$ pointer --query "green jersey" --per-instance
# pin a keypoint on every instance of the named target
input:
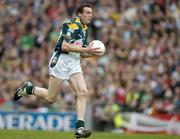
(74, 32)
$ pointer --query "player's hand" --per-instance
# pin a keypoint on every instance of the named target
(93, 51)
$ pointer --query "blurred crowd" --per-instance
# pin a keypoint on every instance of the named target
(139, 72)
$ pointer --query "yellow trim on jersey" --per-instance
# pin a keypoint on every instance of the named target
(73, 26)
(84, 27)
(78, 20)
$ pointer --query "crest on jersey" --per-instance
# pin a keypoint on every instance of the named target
(68, 35)
(71, 30)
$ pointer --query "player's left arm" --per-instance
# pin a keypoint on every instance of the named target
(85, 44)
(87, 55)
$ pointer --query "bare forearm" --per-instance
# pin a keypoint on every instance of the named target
(71, 48)
(67, 47)
(86, 55)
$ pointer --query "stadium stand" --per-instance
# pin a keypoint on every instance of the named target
(140, 71)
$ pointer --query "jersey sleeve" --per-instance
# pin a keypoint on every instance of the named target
(68, 31)
(66, 35)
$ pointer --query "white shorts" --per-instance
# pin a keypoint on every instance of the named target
(66, 66)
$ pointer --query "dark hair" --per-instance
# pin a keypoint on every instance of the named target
(80, 9)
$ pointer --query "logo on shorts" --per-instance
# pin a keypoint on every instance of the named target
(54, 60)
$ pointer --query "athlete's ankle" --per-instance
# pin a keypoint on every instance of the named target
(79, 123)
(29, 89)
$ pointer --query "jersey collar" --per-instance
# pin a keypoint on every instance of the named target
(78, 19)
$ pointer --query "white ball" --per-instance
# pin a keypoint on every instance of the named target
(98, 44)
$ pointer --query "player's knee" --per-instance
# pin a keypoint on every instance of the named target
(51, 100)
(82, 93)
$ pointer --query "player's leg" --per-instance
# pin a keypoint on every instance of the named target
(48, 96)
(78, 84)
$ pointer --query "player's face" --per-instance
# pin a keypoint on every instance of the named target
(86, 16)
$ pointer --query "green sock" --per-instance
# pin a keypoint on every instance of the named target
(79, 123)
(29, 89)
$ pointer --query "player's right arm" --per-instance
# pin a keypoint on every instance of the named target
(69, 47)
(94, 54)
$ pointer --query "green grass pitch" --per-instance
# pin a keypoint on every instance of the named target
(22, 134)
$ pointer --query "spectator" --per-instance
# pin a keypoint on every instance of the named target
(141, 63)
